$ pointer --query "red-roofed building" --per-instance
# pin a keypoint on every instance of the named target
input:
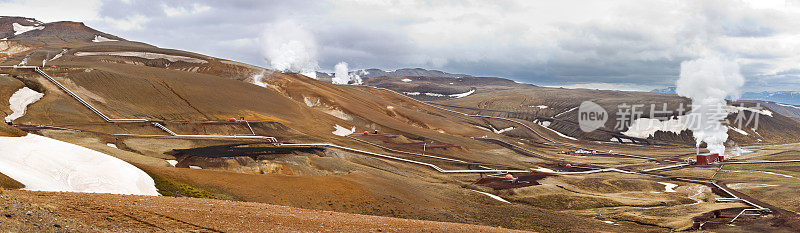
(706, 159)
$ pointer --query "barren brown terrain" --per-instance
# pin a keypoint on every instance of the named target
(429, 168)
(27, 211)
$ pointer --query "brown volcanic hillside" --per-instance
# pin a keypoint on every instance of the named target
(7, 22)
(52, 34)
(193, 94)
(788, 110)
(505, 98)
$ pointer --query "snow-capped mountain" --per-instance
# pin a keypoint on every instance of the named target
(786, 97)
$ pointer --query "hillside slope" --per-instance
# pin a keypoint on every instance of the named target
(56, 212)
(168, 112)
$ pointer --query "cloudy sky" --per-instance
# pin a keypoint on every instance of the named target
(613, 44)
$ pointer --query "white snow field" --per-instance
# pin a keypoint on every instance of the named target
(736, 109)
(172, 162)
(492, 196)
(342, 131)
(669, 187)
(462, 95)
(459, 95)
(20, 100)
(99, 38)
(19, 29)
(45, 164)
(546, 125)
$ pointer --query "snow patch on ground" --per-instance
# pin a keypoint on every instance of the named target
(20, 100)
(492, 196)
(24, 61)
(609, 222)
(539, 106)
(504, 130)
(570, 110)
(459, 95)
(19, 29)
(44, 164)
(145, 55)
(111, 145)
(646, 127)
(406, 80)
(342, 131)
(462, 95)
(98, 38)
(787, 105)
(738, 130)
(172, 162)
(669, 187)
(195, 167)
(623, 140)
(545, 170)
(545, 124)
(736, 109)
(57, 56)
(492, 129)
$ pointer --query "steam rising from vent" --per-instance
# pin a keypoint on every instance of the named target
(288, 47)
(708, 81)
(257, 79)
(342, 75)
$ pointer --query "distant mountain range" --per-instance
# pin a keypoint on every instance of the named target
(785, 97)
(406, 72)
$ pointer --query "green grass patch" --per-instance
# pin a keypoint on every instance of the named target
(173, 188)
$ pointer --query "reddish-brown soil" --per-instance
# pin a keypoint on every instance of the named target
(27, 211)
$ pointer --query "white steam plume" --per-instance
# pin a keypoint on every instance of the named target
(708, 81)
(288, 47)
(342, 75)
(356, 79)
(258, 79)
